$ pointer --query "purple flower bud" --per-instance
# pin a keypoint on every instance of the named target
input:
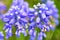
(1, 36)
(40, 36)
(8, 33)
(38, 20)
(2, 9)
(32, 34)
(2, 6)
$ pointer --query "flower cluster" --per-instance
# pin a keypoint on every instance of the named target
(16, 16)
(45, 14)
(2, 8)
(42, 16)
(26, 19)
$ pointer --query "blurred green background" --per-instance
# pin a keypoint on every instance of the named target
(52, 35)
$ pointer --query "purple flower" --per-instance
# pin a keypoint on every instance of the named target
(43, 14)
(2, 6)
(32, 34)
(24, 18)
(17, 16)
(1, 36)
(2, 9)
(41, 35)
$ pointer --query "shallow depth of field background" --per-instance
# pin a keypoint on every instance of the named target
(52, 35)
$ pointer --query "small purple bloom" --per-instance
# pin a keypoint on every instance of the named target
(1, 36)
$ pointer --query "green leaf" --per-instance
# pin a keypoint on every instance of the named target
(1, 25)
